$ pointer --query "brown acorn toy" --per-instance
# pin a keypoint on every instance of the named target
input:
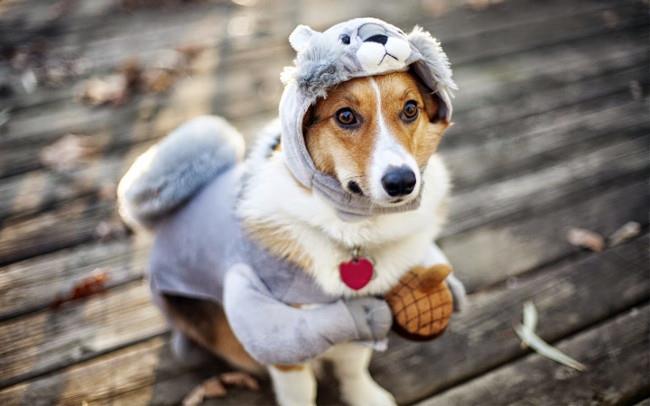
(421, 303)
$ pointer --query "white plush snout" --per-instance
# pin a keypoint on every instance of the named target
(376, 58)
(399, 48)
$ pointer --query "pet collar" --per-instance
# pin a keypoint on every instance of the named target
(356, 48)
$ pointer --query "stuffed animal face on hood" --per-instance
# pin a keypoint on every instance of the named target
(357, 48)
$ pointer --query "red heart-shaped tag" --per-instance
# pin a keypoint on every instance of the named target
(356, 273)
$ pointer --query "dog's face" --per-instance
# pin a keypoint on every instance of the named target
(375, 135)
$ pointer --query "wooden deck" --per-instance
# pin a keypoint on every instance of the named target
(552, 132)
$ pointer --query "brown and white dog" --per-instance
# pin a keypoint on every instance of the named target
(378, 135)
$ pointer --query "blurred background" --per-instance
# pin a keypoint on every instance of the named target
(549, 155)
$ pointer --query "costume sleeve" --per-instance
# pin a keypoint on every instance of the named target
(273, 332)
(436, 256)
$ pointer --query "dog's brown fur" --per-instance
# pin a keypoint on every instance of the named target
(336, 150)
(205, 322)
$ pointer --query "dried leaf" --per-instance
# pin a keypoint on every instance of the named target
(240, 379)
(69, 151)
(158, 80)
(581, 237)
(214, 387)
(112, 89)
(90, 285)
(629, 230)
(526, 333)
(211, 388)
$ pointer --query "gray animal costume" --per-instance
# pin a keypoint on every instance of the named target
(186, 189)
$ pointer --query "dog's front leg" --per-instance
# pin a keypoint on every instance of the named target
(357, 386)
(294, 385)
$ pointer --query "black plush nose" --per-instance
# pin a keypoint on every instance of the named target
(379, 38)
(398, 181)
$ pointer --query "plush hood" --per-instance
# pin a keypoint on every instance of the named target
(356, 48)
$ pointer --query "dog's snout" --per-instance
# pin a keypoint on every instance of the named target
(379, 38)
(399, 181)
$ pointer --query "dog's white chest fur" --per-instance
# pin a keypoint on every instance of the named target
(395, 242)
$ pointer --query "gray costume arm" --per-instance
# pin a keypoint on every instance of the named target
(275, 333)
(436, 256)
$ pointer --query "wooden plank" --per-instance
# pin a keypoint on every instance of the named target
(147, 374)
(152, 119)
(496, 252)
(77, 222)
(482, 338)
(522, 145)
(36, 283)
(40, 190)
(544, 33)
(617, 354)
(164, 29)
(583, 172)
(537, 141)
(52, 339)
(72, 224)
(72, 118)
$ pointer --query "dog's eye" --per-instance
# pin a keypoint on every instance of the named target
(346, 117)
(345, 39)
(410, 111)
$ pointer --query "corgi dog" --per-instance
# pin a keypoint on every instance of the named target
(377, 136)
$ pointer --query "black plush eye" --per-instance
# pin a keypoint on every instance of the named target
(346, 117)
(345, 39)
(410, 110)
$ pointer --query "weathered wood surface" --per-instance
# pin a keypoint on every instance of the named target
(35, 284)
(505, 203)
(561, 293)
(106, 45)
(551, 133)
(615, 352)
(567, 125)
(239, 87)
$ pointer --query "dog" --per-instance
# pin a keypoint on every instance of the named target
(377, 137)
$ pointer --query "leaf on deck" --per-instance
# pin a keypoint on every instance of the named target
(526, 333)
(628, 231)
(69, 151)
(90, 285)
(581, 237)
(214, 387)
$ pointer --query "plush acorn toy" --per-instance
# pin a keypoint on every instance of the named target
(421, 303)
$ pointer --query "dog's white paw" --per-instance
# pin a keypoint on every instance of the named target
(364, 391)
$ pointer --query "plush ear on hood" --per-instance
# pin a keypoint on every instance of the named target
(300, 36)
(434, 69)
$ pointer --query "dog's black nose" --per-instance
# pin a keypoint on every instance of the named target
(379, 38)
(398, 181)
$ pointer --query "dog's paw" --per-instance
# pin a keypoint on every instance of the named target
(365, 391)
(372, 318)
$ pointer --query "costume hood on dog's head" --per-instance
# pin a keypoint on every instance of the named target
(356, 48)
